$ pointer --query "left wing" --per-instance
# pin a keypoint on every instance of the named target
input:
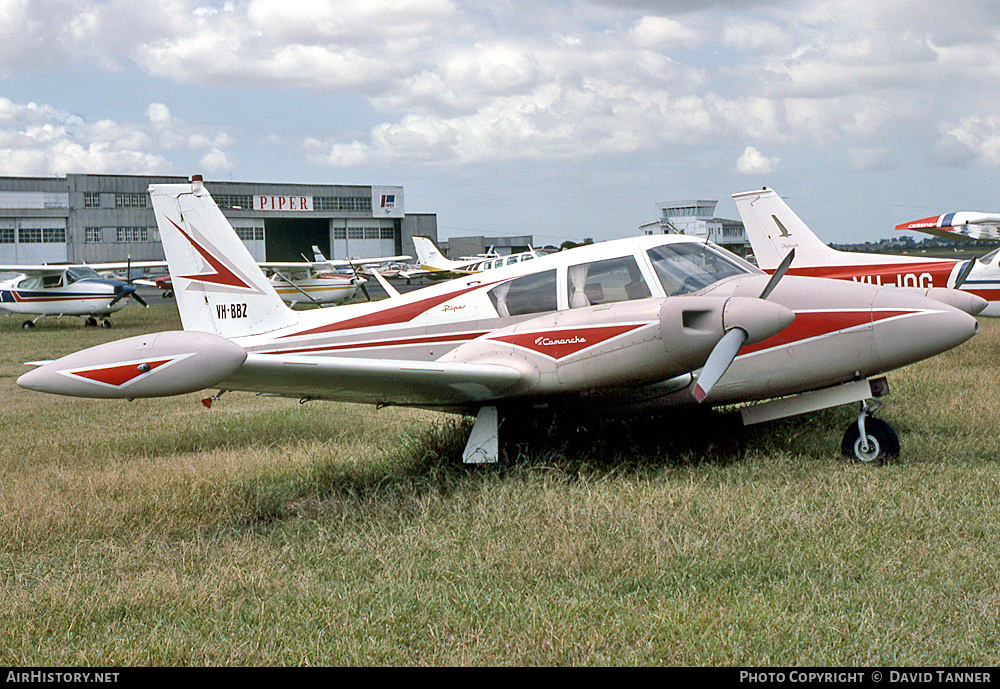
(378, 380)
(960, 225)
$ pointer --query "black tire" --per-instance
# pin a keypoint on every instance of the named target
(883, 443)
(28, 325)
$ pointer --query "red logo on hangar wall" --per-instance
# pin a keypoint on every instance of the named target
(562, 343)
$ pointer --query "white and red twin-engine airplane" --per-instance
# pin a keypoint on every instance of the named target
(635, 324)
(773, 230)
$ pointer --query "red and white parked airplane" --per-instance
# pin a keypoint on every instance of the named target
(773, 230)
(645, 323)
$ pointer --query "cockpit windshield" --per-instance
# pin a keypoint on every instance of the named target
(80, 272)
(689, 266)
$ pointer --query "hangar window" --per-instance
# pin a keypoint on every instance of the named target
(7, 235)
(355, 233)
(343, 203)
(371, 233)
(249, 234)
(604, 282)
(130, 200)
(92, 235)
(234, 200)
(91, 199)
(340, 233)
(132, 234)
(55, 235)
(29, 235)
(387, 233)
(535, 293)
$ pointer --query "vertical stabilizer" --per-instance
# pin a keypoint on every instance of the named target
(774, 230)
(429, 256)
(218, 286)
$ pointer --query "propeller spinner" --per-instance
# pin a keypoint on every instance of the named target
(728, 347)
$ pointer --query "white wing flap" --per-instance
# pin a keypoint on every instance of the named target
(377, 381)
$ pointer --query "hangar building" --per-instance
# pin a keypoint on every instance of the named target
(93, 218)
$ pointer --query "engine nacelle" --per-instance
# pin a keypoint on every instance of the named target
(154, 365)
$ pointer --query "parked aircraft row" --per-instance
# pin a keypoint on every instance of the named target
(641, 324)
(435, 266)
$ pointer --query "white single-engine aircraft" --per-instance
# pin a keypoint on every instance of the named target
(773, 230)
(645, 323)
(435, 266)
(69, 290)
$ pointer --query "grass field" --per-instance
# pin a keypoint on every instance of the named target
(268, 532)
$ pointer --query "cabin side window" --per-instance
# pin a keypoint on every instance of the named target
(535, 293)
(604, 282)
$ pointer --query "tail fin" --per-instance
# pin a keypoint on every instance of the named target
(773, 230)
(429, 256)
(318, 256)
(218, 286)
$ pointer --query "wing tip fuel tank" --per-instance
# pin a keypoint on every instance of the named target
(154, 365)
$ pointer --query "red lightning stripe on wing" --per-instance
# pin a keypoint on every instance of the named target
(222, 274)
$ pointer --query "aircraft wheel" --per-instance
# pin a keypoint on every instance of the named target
(28, 325)
(105, 324)
(883, 443)
(90, 323)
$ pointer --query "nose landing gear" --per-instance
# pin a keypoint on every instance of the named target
(870, 440)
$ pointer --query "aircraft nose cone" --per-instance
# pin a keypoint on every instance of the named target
(908, 328)
(960, 299)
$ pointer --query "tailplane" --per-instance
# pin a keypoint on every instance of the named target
(773, 230)
(218, 286)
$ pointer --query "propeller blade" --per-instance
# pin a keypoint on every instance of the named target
(119, 295)
(365, 291)
(778, 274)
(718, 361)
(139, 299)
(962, 276)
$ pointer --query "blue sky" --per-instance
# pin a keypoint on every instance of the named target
(563, 120)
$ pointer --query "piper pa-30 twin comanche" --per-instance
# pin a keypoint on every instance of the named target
(69, 290)
(634, 324)
(773, 230)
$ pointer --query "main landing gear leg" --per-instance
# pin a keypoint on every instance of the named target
(483, 446)
(870, 440)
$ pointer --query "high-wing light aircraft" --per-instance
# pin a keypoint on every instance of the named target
(312, 283)
(961, 225)
(69, 290)
(773, 230)
(645, 323)
(435, 266)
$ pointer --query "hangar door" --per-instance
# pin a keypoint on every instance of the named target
(289, 239)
